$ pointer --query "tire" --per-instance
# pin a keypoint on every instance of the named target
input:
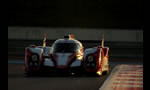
(106, 72)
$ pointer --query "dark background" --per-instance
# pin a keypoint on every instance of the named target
(122, 14)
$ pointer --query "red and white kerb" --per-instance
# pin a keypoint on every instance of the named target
(127, 77)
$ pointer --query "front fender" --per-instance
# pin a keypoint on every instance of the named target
(89, 51)
(29, 51)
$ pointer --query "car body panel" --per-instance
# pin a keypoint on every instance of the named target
(66, 54)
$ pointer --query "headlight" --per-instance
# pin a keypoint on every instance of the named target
(93, 65)
(90, 58)
(34, 58)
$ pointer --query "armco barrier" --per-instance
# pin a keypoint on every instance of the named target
(112, 35)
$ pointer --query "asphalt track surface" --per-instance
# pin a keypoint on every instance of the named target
(18, 81)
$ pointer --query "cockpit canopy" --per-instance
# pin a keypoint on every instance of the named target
(66, 45)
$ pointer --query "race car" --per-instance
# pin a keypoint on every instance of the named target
(66, 55)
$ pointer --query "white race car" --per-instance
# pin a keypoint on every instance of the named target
(66, 55)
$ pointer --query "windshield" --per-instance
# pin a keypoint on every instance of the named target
(66, 47)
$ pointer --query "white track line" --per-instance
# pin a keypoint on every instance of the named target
(131, 74)
(127, 85)
(128, 81)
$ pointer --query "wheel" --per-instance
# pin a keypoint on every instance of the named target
(106, 72)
